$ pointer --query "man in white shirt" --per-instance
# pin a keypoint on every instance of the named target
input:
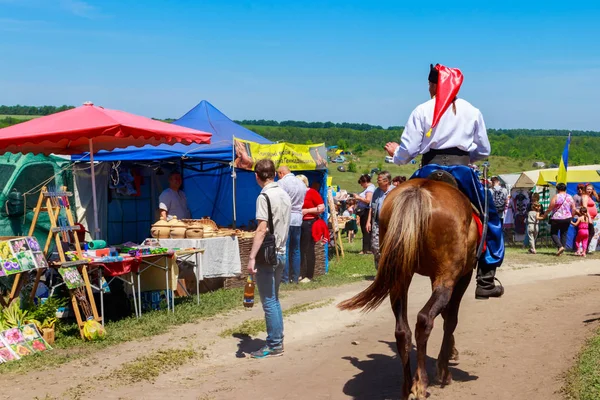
(297, 191)
(450, 134)
(268, 277)
(172, 201)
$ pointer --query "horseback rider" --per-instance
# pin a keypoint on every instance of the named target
(450, 134)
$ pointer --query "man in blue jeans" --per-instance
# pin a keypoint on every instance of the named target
(268, 277)
(296, 189)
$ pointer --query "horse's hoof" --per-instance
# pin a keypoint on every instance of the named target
(454, 355)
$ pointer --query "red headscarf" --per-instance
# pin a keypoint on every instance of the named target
(448, 82)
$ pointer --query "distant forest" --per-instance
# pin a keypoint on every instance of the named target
(539, 144)
(32, 110)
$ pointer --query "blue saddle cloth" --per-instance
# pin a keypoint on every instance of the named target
(469, 184)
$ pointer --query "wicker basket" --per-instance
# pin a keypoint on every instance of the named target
(245, 244)
(207, 223)
(245, 248)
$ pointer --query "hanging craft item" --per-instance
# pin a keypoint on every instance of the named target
(71, 277)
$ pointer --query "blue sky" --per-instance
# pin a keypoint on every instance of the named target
(526, 64)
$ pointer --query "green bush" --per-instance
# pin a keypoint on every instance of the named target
(352, 167)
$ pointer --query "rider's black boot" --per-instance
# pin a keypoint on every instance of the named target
(486, 287)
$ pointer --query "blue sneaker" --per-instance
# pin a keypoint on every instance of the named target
(267, 351)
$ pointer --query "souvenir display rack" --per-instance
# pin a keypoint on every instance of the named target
(62, 229)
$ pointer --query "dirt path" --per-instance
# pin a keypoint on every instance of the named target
(516, 347)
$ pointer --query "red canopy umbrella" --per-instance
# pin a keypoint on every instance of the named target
(92, 128)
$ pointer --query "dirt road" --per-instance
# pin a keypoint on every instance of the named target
(517, 347)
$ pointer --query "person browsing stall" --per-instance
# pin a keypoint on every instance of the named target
(297, 191)
(383, 181)
(363, 208)
(172, 201)
(268, 277)
(311, 209)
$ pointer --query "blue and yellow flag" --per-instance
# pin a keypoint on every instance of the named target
(564, 163)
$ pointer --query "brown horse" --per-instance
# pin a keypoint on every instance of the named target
(426, 227)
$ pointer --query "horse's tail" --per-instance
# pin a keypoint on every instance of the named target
(408, 225)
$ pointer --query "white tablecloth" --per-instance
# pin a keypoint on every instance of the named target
(221, 255)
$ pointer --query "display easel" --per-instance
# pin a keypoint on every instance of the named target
(82, 299)
(334, 224)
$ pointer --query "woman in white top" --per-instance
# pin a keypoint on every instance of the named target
(362, 210)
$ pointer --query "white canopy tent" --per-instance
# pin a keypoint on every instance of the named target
(529, 179)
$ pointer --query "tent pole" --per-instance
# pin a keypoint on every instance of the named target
(95, 201)
(233, 178)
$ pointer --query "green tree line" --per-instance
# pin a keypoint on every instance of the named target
(540, 145)
(314, 125)
(32, 110)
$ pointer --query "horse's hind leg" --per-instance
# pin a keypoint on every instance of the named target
(403, 341)
(437, 302)
(450, 314)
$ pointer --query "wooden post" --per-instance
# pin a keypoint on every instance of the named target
(334, 224)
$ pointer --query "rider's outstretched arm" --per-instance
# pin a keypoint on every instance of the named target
(410, 143)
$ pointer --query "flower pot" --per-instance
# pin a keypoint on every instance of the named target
(48, 335)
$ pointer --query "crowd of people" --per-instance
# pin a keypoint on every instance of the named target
(564, 211)
(363, 210)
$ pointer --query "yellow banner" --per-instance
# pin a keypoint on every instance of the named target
(298, 157)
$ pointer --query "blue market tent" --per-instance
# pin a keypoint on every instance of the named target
(205, 117)
(207, 172)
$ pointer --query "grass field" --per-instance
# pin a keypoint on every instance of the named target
(583, 379)
(23, 117)
(375, 159)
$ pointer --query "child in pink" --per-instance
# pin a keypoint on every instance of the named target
(582, 224)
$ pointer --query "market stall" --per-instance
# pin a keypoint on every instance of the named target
(222, 190)
(73, 131)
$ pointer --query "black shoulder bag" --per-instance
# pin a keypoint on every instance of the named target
(267, 254)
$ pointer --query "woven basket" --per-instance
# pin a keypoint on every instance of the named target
(207, 223)
(245, 248)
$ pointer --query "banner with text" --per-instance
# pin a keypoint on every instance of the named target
(298, 157)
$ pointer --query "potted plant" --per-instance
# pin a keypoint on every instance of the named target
(48, 330)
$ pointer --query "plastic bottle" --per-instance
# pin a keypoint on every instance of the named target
(249, 293)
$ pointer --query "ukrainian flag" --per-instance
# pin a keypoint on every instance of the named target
(564, 163)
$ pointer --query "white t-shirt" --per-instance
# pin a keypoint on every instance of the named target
(465, 130)
(281, 207)
(370, 189)
(174, 203)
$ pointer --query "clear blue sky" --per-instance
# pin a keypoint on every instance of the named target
(527, 64)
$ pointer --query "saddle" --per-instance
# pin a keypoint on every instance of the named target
(446, 177)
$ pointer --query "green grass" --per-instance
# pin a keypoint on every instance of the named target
(252, 327)
(583, 380)
(23, 117)
(375, 158)
(516, 256)
(69, 346)
(151, 366)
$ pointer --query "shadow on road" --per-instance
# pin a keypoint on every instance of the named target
(380, 376)
(247, 345)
